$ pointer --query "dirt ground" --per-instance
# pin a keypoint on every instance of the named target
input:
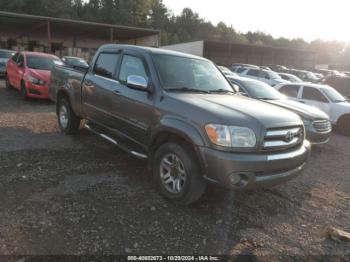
(80, 195)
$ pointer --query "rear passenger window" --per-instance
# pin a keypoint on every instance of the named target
(132, 65)
(310, 93)
(106, 64)
(291, 91)
(253, 72)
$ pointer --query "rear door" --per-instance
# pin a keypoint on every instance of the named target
(100, 94)
(314, 97)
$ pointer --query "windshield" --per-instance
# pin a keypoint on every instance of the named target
(334, 95)
(260, 90)
(4, 54)
(182, 73)
(40, 62)
(273, 75)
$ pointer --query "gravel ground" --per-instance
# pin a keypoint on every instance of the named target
(80, 195)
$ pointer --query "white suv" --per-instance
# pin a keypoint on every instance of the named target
(269, 77)
(325, 98)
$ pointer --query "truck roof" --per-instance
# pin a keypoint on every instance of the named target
(149, 50)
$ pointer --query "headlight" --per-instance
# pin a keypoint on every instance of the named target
(36, 81)
(231, 136)
(306, 122)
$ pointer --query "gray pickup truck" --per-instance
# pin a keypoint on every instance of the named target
(181, 114)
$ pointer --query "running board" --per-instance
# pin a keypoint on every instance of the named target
(113, 141)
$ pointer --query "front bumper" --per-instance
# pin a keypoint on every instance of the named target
(253, 170)
(37, 91)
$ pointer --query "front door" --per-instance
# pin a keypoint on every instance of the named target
(313, 97)
(136, 105)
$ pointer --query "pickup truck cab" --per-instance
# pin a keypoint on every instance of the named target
(180, 113)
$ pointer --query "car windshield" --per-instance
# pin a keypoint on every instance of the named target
(41, 62)
(178, 73)
(5, 54)
(260, 90)
(273, 75)
(334, 95)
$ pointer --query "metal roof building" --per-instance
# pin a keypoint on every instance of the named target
(226, 53)
(67, 36)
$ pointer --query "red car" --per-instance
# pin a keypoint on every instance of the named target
(30, 73)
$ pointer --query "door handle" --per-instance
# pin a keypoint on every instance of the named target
(88, 83)
(116, 92)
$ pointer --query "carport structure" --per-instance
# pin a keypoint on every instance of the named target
(67, 36)
(226, 53)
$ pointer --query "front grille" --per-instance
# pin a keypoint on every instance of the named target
(322, 126)
(283, 138)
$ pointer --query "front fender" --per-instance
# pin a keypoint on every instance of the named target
(179, 127)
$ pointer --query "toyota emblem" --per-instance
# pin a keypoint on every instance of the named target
(289, 137)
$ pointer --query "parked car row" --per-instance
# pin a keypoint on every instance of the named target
(194, 123)
(303, 90)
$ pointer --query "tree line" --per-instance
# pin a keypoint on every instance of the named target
(185, 27)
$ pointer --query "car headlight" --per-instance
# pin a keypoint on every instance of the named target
(36, 81)
(306, 122)
(231, 136)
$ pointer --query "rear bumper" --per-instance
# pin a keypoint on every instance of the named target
(37, 91)
(242, 171)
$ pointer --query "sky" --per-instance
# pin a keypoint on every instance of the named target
(307, 19)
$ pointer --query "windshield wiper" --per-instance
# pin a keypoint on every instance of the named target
(187, 89)
(222, 91)
(266, 98)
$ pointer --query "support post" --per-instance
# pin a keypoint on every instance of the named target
(49, 36)
(111, 33)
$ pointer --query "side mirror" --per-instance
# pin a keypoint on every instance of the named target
(82, 67)
(137, 82)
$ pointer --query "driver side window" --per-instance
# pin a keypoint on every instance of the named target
(313, 94)
(132, 65)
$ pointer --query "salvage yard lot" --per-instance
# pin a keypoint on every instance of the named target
(81, 195)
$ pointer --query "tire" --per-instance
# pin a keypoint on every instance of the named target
(23, 91)
(343, 125)
(7, 83)
(191, 186)
(68, 121)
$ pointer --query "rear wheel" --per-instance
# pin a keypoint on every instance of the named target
(176, 173)
(343, 125)
(68, 121)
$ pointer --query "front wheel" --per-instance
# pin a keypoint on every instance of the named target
(23, 91)
(7, 83)
(68, 121)
(176, 173)
(343, 125)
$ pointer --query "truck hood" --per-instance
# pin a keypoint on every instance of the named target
(230, 109)
(305, 111)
